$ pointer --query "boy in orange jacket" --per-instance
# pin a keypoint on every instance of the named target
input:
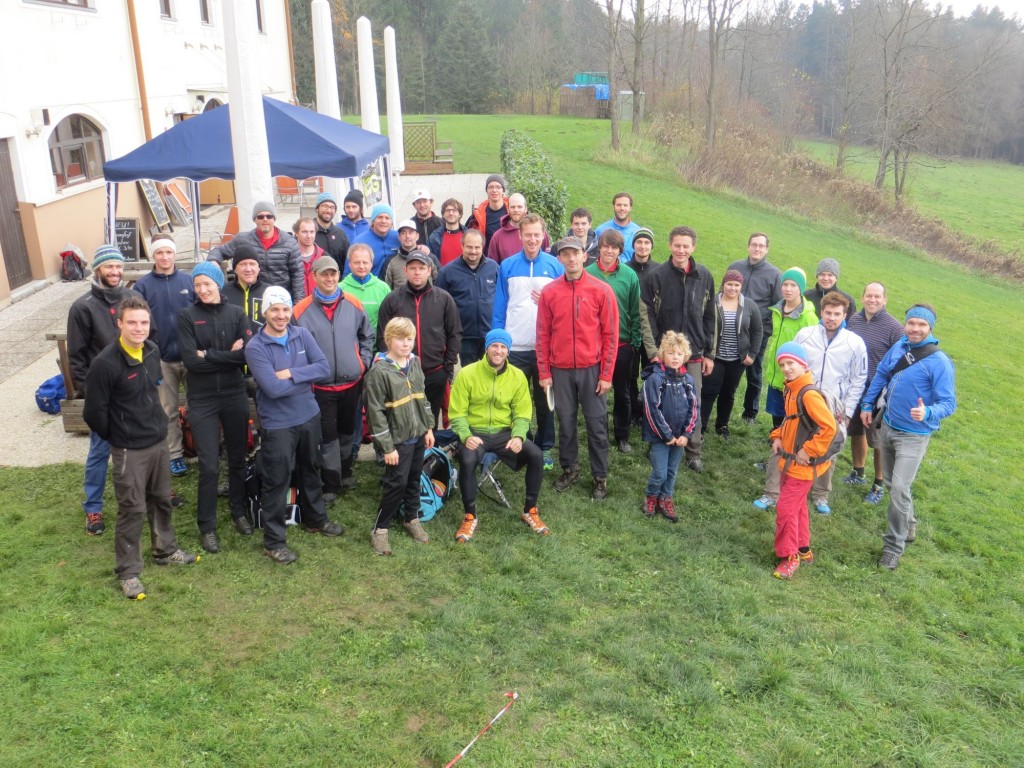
(792, 524)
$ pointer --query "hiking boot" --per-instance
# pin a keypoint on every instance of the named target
(889, 561)
(787, 567)
(822, 508)
(94, 523)
(329, 498)
(328, 528)
(176, 500)
(178, 467)
(177, 557)
(600, 492)
(806, 558)
(549, 461)
(210, 542)
(765, 502)
(750, 420)
(467, 529)
(650, 506)
(132, 588)
(533, 520)
(568, 478)
(625, 447)
(911, 532)
(855, 479)
(415, 529)
(668, 508)
(760, 466)
(242, 525)
(875, 494)
(348, 480)
(695, 464)
(723, 432)
(281, 555)
(379, 541)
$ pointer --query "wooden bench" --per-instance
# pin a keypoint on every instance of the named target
(424, 154)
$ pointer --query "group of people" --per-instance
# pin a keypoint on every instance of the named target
(481, 325)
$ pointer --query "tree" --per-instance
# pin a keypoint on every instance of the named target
(719, 13)
(614, 25)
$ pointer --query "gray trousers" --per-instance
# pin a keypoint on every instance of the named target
(142, 484)
(173, 375)
(696, 443)
(575, 388)
(902, 454)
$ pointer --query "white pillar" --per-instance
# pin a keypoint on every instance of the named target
(394, 102)
(326, 68)
(245, 104)
(368, 109)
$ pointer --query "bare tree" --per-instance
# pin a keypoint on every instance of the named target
(614, 25)
(636, 79)
(719, 13)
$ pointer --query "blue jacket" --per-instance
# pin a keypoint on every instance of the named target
(627, 233)
(353, 229)
(284, 403)
(473, 291)
(514, 307)
(930, 379)
(167, 296)
(383, 249)
(670, 404)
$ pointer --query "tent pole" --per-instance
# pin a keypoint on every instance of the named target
(111, 213)
(387, 180)
(193, 193)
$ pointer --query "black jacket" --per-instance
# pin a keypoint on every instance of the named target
(748, 326)
(333, 240)
(213, 328)
(251, 301)
(438, 327)
(815, 294)
(123, 401)
(92, 327)
(679, 301)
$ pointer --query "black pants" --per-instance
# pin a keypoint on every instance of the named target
(472, 350)
(721, 385)
(754, 373)
(338, 431)
(208, 416)
(621, 406)
(526, 361)
(530, 457)
(283, 452)
(434, 384)
(401, 485)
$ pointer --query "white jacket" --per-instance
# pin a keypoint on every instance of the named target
(839, 365)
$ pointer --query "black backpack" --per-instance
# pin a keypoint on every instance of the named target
(72, 267)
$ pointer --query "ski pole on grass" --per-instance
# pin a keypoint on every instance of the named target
(513, 696)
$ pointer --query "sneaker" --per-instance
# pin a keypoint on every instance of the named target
(695, 464)
(787, 567)
(750, 420)
(379, 541)
(132, 588)
(210, 542)
(625, 447)
(176, 500)
(723, 432)
(329, 528)
(242, 525)
(651, 506)
(600, 492)
(329, 498)
(348, 482)
(889, 561)
(178, 467)
(822, 507)
(549, 461)
(281, 555)
(765, 502)
(855, 479)
(94, 523)
(568, 478)
(178, 557)
(415, 529)
(875, 494)
(668, 508)
(760, 466)
(806, 558)
(467, 529)
(911, 532)
(533, 520)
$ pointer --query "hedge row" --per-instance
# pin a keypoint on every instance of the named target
(528, 172)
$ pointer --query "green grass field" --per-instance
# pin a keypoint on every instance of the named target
(632, 642)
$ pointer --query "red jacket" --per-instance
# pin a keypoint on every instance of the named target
(577, 326)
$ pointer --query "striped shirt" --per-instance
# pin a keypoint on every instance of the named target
(879, 334)
(728, 345)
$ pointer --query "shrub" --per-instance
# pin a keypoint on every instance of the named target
(528, 172)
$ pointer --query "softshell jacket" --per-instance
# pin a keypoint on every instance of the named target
(473, 293)
(346, 339)
(671, 405)
(331, 239)
(279, 265)
(370, 293)
(762, 284)
(213, 328)
(92, 327)
(353, 229)
(284, 403)
(785, 328)
(438, 328)
(486, 400)
(249, 298)
(577, 326)
(839, 364)
(478, 218)
(677, 300)
(426, 227)
(167, 296)
(396, 408)
(748, 326)
(817, 410)
(930, 379)
(626, 286)
(514, 307)
(507, 242)
(123, 401)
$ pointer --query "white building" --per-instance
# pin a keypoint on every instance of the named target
(81, 80)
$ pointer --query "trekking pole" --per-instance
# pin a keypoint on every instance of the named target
(513, 696)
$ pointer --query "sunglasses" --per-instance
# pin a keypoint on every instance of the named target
(265, 216)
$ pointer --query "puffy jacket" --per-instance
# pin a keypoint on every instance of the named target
(577, 326)
(514, 307)
(506, 242)
(930, 379)
(438, 328)
(167, 296)
(671, 406)
(284, 403)
(748, 326)
(626, 287)
(396, 407)
(485, 401)
(473, 293)
(762, 284)
(123, 401)
(249, 298)
(436, 243)
(370, 294)
(785, 328)
(383, 249)
(680, 301)
(816, 294)
(279, 265)
(839, 364)
(213, 328)
(817, 410)
(331, 239)
(346, 338)
(92, 327)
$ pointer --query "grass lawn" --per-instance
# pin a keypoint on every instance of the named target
(632, 642)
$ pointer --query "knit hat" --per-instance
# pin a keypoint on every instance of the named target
(275, 294)
(325, 197)
(498, 178)
(355, 196)
(828, 265)
(245, 252)
(644, 233)
(162, 241)
(732, 276)
(211, 270)
(797, 275)
(323, 264)
(380, 208)
(788, 351)
(106, 253)
(499, 336)
(922, 313)
(263, 206)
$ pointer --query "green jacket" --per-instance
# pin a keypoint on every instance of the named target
(396, 407)
(485, 401)
(784, 328)
(626, 286)
(370, 295)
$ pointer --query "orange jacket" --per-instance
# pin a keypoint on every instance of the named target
(478, 219)
(818, 411)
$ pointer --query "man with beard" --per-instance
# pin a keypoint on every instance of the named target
(329, 236)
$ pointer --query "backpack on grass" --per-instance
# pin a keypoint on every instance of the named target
(807, 428)
(437, 481)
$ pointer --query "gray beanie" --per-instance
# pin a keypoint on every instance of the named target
(498, 178)
(262, 206)
(828, 265)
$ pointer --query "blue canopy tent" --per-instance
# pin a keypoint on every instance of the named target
(302, 143)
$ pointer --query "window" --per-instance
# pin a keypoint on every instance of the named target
(259, 16)
(75, 3)
(204, 11)
(76, 152)
(166, 9)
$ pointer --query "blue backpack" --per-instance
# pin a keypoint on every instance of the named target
(437, 481)
(50, 393)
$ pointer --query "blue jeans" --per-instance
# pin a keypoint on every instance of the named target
(664, 467)
(95, 473)
(902, 454)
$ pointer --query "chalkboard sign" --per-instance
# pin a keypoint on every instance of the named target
(155, 202)
(126, 232)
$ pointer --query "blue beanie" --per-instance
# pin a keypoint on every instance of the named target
(499, 335)
(325, 197)
(380, 208)
(106, 253)
(211, 270)
(792, 351)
